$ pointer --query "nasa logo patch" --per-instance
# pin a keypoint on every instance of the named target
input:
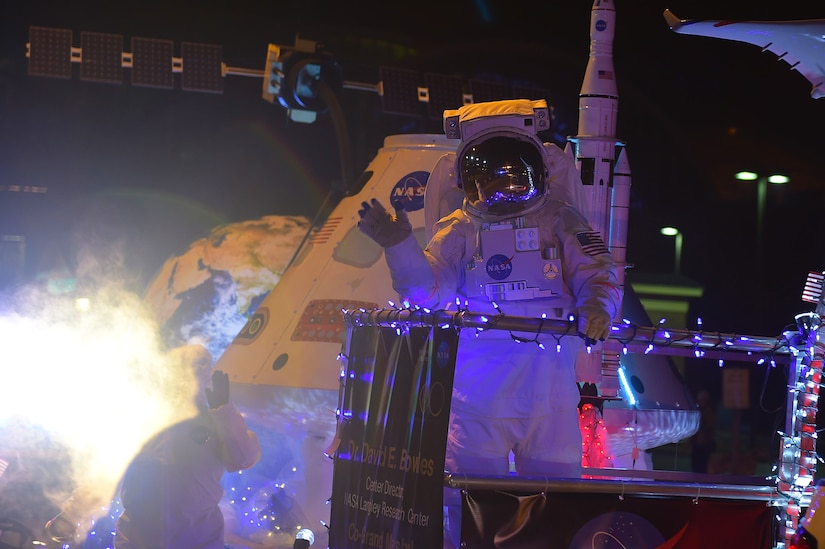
(499, 266)
(550, 270)
(442, 356)
(601, 25)
(410, 191)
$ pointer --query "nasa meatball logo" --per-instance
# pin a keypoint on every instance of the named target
(442, 356)
(409, 191)
(601, 24)
(499, 266)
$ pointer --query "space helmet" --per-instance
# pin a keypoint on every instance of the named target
(502, 174)
(500, 164)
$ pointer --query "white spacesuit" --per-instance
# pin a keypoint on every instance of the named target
(172, 489)
(517, 246)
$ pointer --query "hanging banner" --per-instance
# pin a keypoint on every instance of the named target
(496, 519)
(394, 414)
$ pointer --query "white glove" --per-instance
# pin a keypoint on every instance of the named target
(378, 224)
(594, 324)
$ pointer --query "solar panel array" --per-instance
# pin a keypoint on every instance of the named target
(102, 57)
(152, 63)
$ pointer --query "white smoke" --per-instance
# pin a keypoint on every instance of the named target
(83, 384)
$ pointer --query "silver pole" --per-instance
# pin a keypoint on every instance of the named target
(634, 338)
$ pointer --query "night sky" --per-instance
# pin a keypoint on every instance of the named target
(146, 171)
(134, 175)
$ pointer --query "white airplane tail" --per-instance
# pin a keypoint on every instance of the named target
(797, 43)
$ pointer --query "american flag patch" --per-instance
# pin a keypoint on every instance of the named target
(592, 243)
(605, 75)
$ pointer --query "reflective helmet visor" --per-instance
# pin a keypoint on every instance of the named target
(502, 175)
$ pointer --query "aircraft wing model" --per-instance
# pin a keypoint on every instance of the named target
(800, 43)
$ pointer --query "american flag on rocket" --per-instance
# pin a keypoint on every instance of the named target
(592, 243)
(605, 75)
(812, 291)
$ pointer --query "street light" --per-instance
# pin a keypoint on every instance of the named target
(761, 193)
(673, 231)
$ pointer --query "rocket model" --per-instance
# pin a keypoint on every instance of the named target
(594, 149)
(662, 413)
(605, 192)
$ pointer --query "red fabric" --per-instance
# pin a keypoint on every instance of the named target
(724, 524)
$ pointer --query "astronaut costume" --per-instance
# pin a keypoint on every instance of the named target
(517, 246)
(172, 489)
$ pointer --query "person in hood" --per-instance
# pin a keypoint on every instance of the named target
(172, 489)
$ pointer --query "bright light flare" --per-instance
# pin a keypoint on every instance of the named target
(93, 379)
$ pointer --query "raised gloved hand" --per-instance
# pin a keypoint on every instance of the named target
(218, 395)
(378, 224)
(594, 324)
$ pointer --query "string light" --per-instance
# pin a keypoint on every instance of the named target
(796, 468)
(596, 451)
(534, 339)
(657, 339)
